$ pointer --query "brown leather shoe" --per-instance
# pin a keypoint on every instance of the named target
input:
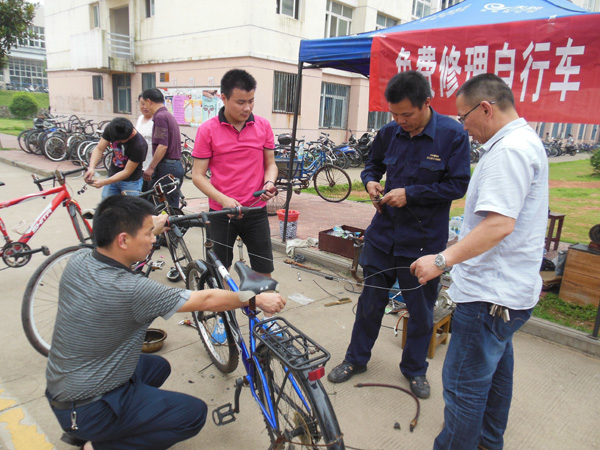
(344, 372)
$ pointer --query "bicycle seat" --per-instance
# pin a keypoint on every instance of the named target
(253, 281)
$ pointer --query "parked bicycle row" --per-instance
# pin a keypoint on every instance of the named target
(350, 154)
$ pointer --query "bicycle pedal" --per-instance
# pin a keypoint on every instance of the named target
(223, 415)
(157, 264)
(45, 250)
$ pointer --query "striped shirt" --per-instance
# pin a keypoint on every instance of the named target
(103, 313)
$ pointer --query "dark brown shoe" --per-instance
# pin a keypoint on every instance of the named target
(344, 372)
(419, 386)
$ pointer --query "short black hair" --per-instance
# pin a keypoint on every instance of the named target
(154, 95)
(237, 78)
(411, 85)
(117, 214)
(119, 129)
(488, 87)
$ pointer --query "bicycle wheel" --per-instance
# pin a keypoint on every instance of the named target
(332, 183)
(21, 140)
(55, 148)
(83, 230)
(303, 412)
(107, 159)
(221, 348)
(277, 202)
(187, 161)
(40, 301)
(178, 250)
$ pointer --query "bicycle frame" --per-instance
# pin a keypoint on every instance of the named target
(63, 197)
(253, 368)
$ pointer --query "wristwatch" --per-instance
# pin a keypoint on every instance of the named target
(440, 262)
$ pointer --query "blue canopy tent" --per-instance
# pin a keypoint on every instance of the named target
(353, 53)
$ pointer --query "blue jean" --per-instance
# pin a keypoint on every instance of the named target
(131, 187)
(478, 378)
(175, 168)
(380, 272)
(138, 415)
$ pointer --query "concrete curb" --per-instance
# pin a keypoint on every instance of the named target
(549, 331)
(25, 166)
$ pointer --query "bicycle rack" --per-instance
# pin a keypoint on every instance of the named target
(290, 344)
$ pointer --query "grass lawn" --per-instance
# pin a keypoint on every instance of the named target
(14, 126)
(41, 98)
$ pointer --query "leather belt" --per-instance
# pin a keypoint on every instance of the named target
(74, 404)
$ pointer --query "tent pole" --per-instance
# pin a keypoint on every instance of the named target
(290, 174)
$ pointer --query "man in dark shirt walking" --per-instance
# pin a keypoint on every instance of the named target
(166, 143)
(425, 159)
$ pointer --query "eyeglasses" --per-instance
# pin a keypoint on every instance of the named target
(461, 119)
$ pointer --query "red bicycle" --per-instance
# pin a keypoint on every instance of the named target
(18, 253)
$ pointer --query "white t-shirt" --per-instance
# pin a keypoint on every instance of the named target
(145, 129)
(511, 179)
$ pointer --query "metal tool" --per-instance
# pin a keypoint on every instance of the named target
(341, 301)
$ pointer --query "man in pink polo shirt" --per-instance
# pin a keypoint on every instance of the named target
(237, 147)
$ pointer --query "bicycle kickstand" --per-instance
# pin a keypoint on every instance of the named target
(226, 414)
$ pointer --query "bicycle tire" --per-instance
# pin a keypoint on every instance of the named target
(178, 250)
(83, 230)
(55, 149)
(187, 161)
(354, 158)
(107, 159)
(308, 423)
(21, 140)
(40, 301)
(277, 202)
(31, 142)
(225, 356)
(332, 183)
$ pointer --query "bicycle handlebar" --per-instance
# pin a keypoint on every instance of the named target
(200, 219)
(57, 174)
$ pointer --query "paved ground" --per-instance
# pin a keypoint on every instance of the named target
(556, 389)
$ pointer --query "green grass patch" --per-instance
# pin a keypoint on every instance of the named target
(14, 126)
(42, 98)
(552, 308)
(580, 170)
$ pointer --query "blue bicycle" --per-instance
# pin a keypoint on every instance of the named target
(283, 365)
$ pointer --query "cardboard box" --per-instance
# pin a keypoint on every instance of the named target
(337, 245)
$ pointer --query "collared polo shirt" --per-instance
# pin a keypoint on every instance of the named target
(434, 168)
(511, 179)
(166, 132)
(236, 157)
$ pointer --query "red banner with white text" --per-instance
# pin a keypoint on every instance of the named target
(552, 66)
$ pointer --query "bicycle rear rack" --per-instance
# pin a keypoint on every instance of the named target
(290, 344)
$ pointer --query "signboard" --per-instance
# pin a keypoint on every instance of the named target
(192, 106)
(552, 65)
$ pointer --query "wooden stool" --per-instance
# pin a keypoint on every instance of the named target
(551, 237)
(441, 329)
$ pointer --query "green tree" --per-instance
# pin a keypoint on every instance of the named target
(23, 106)
(16, 16)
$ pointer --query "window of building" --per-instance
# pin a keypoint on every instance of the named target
(448, 3)
(421, 8)
(98, 87)
(377, 119)
(27, 73)
(338, 19)
(384, 22)
(95, 15)
(284, 92)
(288, 7)
(582, 129)
(122, 93)
(148, 81)
(333, 112)
(149, 8)
(594, 131)
(36, 38)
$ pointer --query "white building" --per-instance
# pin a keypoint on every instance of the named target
(103, 54)
(26, 68)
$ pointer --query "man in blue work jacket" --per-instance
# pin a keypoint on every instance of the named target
(425, 159)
